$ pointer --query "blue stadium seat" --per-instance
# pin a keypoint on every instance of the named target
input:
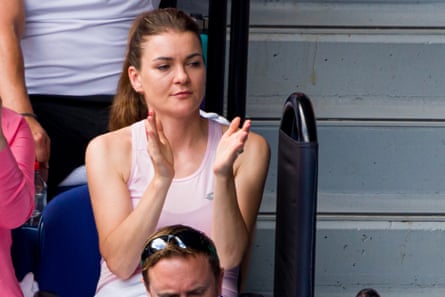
(69, 251)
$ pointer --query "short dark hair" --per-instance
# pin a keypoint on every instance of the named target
(367, 292)
(178, 241)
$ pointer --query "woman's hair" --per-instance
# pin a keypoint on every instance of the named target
(178, 241)
(129, 106)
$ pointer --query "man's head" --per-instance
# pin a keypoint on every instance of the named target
(368, 292)
(181, 261)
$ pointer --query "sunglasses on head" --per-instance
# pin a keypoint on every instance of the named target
(186, 239)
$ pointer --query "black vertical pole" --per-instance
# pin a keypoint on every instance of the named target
(239, 41)
(297, 178)
(216, 54)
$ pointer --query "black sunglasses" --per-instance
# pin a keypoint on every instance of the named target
(187, 239)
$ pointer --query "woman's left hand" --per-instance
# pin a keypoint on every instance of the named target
(230, 146)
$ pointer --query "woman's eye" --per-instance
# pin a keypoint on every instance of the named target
(163, 67)
(195, 64)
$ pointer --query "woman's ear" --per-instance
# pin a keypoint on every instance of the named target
(135, 79)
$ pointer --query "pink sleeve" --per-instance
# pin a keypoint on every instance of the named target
(16, 171)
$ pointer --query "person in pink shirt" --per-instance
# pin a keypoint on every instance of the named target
(17, 155)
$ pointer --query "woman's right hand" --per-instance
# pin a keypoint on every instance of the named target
(159, 148)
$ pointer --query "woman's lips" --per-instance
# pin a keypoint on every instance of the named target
(182, 94)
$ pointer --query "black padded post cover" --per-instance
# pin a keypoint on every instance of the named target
(296, 200)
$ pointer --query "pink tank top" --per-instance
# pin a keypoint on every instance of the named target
(189, 200)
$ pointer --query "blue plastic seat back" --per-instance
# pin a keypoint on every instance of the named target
(69, 250)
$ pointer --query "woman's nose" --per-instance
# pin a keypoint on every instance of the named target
(181, 75)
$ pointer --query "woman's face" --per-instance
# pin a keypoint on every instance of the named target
(172, 73)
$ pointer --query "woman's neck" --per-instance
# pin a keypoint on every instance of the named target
(188, 140)
(184, 132)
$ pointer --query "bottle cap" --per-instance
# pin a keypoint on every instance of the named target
(36, 165)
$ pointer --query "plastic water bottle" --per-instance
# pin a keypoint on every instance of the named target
(40, 196)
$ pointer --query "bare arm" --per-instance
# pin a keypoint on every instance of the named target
(238, 192)
(16, 171)
(12, 81)
(122, 229)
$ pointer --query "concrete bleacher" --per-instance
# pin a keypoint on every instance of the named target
(376, 83)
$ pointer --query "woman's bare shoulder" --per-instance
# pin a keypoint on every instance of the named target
(109, 152)
(111, 144)
(258, 143)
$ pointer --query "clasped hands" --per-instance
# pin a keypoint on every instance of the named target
(230, 146)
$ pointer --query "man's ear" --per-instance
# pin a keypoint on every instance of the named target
(135, 79)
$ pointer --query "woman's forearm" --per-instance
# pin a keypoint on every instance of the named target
(122, 247)
(229, 229)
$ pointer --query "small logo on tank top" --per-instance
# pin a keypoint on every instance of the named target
(209, 196)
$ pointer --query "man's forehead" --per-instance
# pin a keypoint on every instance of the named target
(185, 275)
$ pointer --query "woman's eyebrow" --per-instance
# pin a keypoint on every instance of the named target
(191, 56)
(162, 59)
